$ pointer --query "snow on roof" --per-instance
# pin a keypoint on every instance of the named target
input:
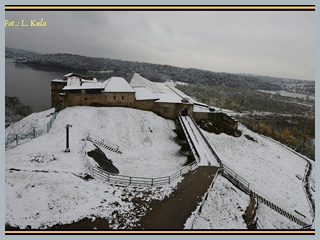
(201, 104)
(143, 93)
(78, 84)
(69, 75)
(84, 86)
(181, 94)
(138, 81)
(197, 108)
(117, 84)
(58, 80)
(167, 94)
(77, 75)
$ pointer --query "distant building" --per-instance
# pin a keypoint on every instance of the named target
(135, 92)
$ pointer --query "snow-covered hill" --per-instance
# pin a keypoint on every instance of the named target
(269, 167)
(46, 186)
(145, 139)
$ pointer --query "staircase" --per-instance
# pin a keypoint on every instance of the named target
(103, 143)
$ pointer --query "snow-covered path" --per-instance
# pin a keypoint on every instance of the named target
(207, 158)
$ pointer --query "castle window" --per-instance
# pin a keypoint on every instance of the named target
(114, 98)
(122, 97)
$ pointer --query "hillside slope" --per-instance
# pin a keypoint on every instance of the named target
(56, 190)
(269, 167)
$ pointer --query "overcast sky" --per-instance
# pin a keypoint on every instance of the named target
(280, 44)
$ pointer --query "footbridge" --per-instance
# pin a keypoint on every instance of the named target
(201, 149)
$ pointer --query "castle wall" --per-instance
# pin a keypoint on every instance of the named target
(147, 105)
(98, 98)
(95, 97)
(56, 88)
(217, 118)
(124, 99)
(172, 110)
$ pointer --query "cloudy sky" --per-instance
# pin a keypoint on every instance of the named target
(280, 44)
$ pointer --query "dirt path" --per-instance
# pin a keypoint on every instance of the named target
(173, 211)
(170, 213)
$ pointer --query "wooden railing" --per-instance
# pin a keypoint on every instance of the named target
(244, 185)
(237, 180)
(116, 179)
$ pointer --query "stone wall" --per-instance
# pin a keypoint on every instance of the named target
(95, 97)
(147, 105)
(217, 118)
(85, 98)
(217, 122)
(56, 88)
(172, 110)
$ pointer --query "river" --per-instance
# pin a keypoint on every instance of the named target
(32, 83)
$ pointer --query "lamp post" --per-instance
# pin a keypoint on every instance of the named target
(67, 137)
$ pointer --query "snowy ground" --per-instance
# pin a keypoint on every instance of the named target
(270, 168)
(33, 120)
(269, 219)
(224, 207)
(24, 130)
(145, 139)
(45, 185)
(44, 199)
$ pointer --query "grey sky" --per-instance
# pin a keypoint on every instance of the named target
(280, 44)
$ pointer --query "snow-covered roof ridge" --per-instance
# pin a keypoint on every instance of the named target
(137, 80)
(118, 84)
(69, 74)
(58, 80)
